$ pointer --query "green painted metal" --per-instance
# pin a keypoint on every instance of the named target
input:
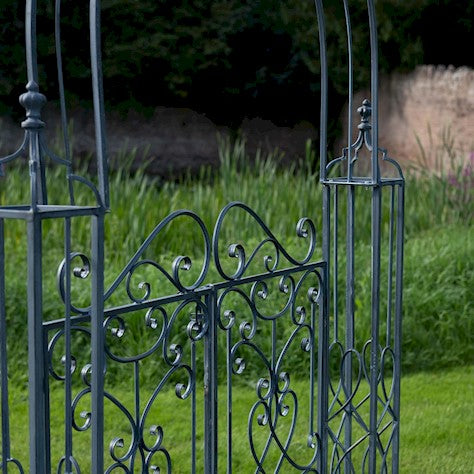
(206, 334)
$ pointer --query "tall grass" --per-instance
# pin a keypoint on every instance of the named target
(439, 276)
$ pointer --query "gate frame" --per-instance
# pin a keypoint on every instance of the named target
(38, 209)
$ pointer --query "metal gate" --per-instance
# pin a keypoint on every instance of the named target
(215, 335)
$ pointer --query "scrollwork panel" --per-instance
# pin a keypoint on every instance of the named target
(263, 350)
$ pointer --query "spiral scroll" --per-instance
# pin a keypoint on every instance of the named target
(263, 299)
(305, 229)
(180, 264)
(275, 397)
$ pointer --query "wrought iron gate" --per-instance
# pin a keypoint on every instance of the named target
(227, 328)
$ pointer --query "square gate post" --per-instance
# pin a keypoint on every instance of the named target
(210, 387)
(98, 347)
(36, 363)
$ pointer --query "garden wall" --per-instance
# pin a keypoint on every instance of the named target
(432, 104)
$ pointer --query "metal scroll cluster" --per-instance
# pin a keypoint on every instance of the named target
(239, 323)
(181, 334)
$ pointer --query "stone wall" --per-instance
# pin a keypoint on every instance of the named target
(419, 108)
(427, 107)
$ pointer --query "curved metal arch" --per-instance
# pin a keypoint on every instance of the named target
(33, 101)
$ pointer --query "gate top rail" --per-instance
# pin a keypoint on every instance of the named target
(269, 249)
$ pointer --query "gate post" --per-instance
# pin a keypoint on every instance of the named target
(36, 365)
(32, 213)
(97, 342)
(359, 399)
(210, 386)
(33, 102)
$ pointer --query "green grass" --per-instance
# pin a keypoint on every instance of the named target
(437, 421)
(438, 292)
(436, 416)
(439, 269)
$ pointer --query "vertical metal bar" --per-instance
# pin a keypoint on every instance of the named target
(323, 349)
(324, 90)
(350, 91)
(98, 94)
(97, 352)
(36, 363)
(326, 240)
(30, 40)
(47, 406)
(274, 343)
(193, 410)
(210, 388)
(323, 370)
(37, 171)
(67, 342)
(398, 323)
(390, 268)
(336, 263)
(229, 399)
(374, 346)
(323, 334)
(374, 79)
(4, 356)
(136, 390)
(350, 332)
(312, 367)
(62, 100)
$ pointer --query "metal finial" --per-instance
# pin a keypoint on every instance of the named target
(33, 101)
(365, 111)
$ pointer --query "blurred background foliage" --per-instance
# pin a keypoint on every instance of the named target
(228, 59)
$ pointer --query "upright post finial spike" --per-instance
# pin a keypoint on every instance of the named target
(33, 102)
(365, 111)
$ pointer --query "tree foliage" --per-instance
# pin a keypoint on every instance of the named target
(228, 58)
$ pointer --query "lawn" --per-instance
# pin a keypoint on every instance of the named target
(436, 413)
(437, 419)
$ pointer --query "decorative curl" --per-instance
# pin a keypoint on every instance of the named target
(51, 350)
(180, 263)
(84, 414)
(304, 229)
(117, 327)
(16, 463)
(81, 272)
(182, 391)
(62, 462)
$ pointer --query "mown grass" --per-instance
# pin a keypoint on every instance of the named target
(436, 412)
